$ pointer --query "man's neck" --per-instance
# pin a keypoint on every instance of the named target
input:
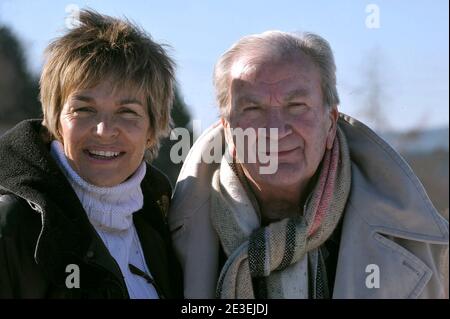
(277, 203)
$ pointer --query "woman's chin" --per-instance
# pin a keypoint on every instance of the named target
(104, 180)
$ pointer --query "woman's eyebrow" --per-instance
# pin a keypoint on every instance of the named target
(83, 98)
(130, 101)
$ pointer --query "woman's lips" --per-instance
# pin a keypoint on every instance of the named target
(103, 156)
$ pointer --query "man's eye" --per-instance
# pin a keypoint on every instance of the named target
(128, 111)
(252, 108)
(297, 108)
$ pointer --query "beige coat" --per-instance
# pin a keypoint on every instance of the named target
(389, 222)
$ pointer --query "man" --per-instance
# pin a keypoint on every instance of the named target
(342, 216)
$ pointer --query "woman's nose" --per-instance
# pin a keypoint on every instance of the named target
(106, 128)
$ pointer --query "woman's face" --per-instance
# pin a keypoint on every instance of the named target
(105, 133)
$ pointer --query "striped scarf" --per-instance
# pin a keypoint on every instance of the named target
(274, 255)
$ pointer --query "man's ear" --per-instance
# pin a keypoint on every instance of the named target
(228, 136)
(333, 115)
(224, 122)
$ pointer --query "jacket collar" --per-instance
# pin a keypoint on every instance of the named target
(28, 171)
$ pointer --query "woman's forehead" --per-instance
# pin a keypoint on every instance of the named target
(110, 87)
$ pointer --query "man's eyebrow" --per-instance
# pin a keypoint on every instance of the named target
(246, 100)
(296, 93)
(130, 101)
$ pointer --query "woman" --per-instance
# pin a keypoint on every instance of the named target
(82, 215)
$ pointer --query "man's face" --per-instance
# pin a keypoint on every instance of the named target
(285, 95)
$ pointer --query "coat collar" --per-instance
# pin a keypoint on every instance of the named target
(28, 171)
(387, 204)
(386, 192)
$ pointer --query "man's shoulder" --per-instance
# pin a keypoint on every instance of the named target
(192, 190)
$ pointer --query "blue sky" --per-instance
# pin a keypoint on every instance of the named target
(410, 45)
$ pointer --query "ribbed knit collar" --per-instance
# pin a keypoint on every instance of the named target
(108, 208)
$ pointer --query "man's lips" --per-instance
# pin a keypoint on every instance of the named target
(282, 152)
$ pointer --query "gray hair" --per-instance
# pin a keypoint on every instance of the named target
(277, 44)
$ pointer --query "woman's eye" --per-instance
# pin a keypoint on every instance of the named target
(84, 110)
(128, 112)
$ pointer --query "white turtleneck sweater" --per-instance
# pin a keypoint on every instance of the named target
(110, 210)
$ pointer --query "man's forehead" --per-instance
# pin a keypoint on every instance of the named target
(286, 85)
(241, 68)
(283, 80)
(270, 70)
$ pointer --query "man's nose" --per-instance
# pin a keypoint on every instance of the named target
(278, 121)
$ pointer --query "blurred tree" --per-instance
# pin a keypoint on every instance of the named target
(181, 118)
(19, 89)
(373, 92)
(431, 166)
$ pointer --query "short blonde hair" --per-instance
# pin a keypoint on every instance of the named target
(102, 46)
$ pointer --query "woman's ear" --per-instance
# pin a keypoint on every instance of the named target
(59, 135)
(333, 118)
(149, 142)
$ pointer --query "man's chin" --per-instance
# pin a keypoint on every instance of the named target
(281, 179)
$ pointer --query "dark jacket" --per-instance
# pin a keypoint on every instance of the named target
(43, 228)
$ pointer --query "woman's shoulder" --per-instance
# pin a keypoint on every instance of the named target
(12, 212)
(159, 182)
(16, 217)
(158, 186)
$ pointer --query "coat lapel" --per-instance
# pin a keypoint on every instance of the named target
(147, 221)
(372, 266)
